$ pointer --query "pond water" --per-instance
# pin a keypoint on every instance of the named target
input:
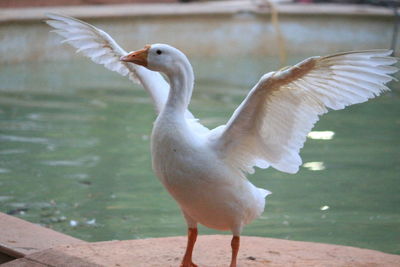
(74, 156)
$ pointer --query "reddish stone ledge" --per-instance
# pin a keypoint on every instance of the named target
(212, 250)
(19, 238)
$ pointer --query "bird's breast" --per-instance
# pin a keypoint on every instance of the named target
(203, 185)
(176, 153)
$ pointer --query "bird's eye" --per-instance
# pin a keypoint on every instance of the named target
(159, 52)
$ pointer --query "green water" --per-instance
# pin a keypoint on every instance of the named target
(74, 156)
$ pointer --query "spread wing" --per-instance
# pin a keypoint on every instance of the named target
(270, 127)
(97, 45)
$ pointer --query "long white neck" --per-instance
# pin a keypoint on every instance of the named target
(181, 79)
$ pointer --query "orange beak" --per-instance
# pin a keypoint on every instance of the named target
(138, 57)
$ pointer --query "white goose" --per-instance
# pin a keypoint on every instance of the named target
(204, 170)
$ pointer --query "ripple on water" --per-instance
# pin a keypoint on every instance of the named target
(17, 205)
(77, 176)
(23, 126)
(24, 139)
(89, 142)
(48, 117)
(29, 103)
(88, 161)
(2, 170)
(5, 198)
(12, 151)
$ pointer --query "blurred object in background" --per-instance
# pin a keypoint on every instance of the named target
(393, 4)
(37, 3)
(360, 2)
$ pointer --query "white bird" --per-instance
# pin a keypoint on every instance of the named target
(205, 170)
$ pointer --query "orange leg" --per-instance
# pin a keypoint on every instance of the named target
(235, 249)
(187, 259)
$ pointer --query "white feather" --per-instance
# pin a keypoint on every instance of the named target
(97, 45)
(272, 123)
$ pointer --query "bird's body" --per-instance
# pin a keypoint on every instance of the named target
(207, 190)
(184, 158)
(205, 170)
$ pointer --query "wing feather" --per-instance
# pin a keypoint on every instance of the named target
(92, 42)
(97, 45)
(272, 123)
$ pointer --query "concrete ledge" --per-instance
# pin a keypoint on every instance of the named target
(200, 8)
(19, 238)
(212, 250)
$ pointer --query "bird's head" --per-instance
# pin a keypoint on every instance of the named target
(156, 57)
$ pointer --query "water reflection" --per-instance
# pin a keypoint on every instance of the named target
(314, 166)
(323, 208)
(321, 135)
(91, 222)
